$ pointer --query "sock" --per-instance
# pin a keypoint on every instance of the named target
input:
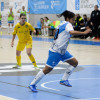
(68, 72)
(18, 58)
(37, 78)
(33, 60)
(8, 29)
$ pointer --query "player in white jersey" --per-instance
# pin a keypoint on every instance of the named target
(58, 51)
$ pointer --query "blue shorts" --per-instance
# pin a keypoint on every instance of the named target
(54, 58)
(0, 23)
(11, 22)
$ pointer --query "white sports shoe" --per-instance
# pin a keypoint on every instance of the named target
(17, 66)
(37, 68)
(88, 38)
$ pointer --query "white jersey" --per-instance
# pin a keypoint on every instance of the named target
(61, 38)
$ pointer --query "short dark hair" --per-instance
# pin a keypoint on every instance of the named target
(67, 14)
(97, 6)
(22, 14)
(85, 15)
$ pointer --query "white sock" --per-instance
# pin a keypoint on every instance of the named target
(37, 78)
(68, 72)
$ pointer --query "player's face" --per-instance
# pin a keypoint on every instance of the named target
(23, 7)
(72, 20)
(22, 20)
(95, 8)
(10, 9)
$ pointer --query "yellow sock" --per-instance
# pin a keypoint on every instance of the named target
(18, 58)
(33, 60)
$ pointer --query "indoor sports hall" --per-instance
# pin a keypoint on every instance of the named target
(85, 80)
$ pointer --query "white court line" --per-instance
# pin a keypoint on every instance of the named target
(23, 68)
(89, 99)
(43, 85)
(6, 98)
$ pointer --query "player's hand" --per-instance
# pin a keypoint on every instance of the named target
(87, 31)
(34, 32)
(12, 44)
(91, 23)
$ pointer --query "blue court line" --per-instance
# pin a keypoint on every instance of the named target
(85, 85)
(82, 42)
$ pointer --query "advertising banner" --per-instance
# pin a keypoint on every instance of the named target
(47, 6)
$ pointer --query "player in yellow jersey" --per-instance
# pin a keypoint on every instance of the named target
(22, 29)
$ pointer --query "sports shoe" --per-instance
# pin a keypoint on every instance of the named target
(33, 88)
(88, 38)
(37, 68)
(65, 82)
(97, 38)
(93, 38)
(17, 66)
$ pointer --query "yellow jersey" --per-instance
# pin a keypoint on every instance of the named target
(23, 32)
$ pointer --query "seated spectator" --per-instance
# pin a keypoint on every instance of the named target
(79, 25)
(79, 22)
(85, 19)
(88, 25)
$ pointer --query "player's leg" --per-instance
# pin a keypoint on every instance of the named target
(9, 27)
(72, 65)
(31, 57)
(52, 61)
(20, 47)
(38, 77)
(12, 23)
(18, 59)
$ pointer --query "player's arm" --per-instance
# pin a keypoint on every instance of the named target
(12, 15)
(9, 15)
(14, 35)
(18, 11)
(13, 38)
(32, 28)
(28, 11)
(0, 16)
(69, 28)
(80, 33)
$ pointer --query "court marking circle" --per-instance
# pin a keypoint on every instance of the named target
(43, 85)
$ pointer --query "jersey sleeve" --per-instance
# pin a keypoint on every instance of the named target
(31, 27)
(69, 27)
(15, 30)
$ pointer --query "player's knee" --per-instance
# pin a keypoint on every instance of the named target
(17, 54)
(46, 70)
(29, 53)
(75, 63)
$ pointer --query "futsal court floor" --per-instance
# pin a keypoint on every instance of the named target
(85, 80)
